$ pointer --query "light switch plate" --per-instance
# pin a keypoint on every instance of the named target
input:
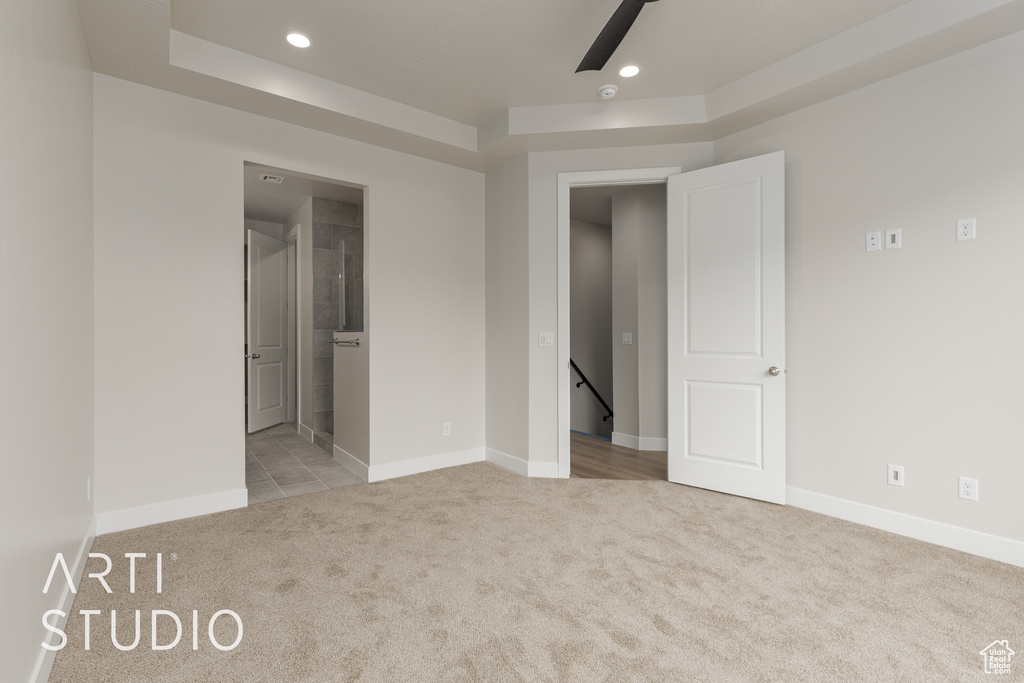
(627, 337)
(546, 339)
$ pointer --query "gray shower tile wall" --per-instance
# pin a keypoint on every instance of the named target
(325, 316)
(323, 289)
(337, 228)
(323, 370)
(322, 347)
(337, 213)
(322, 398)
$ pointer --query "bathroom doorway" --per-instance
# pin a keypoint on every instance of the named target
(304, 284)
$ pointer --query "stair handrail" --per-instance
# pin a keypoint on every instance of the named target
(590, 386)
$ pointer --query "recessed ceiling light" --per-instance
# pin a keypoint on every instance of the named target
(629, 71)
(298, 40)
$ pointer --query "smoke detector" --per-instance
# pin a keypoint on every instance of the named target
(268, 178)
(608, 91)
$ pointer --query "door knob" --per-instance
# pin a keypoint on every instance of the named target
(775, 372)
(253, 356)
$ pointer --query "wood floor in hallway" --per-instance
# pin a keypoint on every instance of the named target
(593, 458)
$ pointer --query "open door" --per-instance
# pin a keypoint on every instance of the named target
(267, 330)
(726, 328)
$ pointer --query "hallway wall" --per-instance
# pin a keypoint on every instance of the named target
(590, 325)
(639, 231)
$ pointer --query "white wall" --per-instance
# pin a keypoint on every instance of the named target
(169, 193)
(590, 329)
(46, 272)
(625, 238)
(275, 230)
(639, 232)
(651, 338)
(508, 309)
(911, 357)
(542, 264)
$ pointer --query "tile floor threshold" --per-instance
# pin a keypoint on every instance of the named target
(280, 464)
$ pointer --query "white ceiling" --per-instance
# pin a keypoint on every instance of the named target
(275, 203)
(594, 204)
(468, 60)
(473, 82)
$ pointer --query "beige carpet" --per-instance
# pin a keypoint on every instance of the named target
(476, 574)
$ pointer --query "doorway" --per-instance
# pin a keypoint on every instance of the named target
(567, 182)
(618, 330)
(725, 300)
(304, 287)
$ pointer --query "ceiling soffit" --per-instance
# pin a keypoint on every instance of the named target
(912, 34)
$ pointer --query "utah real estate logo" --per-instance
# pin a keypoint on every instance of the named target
(997, 657)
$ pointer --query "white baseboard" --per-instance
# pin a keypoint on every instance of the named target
(640, 443)
(44, 664)
(351, 463)
(509, 462)
(169, 511)
(653, 443)
(404, 468)
(543, 470)
(305, 432)
(627, 440)
(949, 536)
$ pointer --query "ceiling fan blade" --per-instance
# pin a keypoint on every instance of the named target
(611, 35)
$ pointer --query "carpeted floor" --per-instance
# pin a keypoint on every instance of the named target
(476, 574)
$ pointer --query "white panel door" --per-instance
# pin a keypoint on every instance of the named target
(267, 327)
(726, 328)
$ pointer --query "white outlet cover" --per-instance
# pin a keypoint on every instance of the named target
(966, 229)
(896, 475)
(873, 241)
(966, 493)
(627, 337)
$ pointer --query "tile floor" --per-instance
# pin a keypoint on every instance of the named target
(279, 463)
